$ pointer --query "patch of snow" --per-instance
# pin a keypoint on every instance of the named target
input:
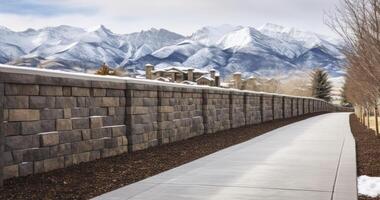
(369, 186)
(210, 35)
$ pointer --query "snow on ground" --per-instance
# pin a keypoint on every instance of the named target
(369, 186)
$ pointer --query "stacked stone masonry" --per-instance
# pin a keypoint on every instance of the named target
(52, 121)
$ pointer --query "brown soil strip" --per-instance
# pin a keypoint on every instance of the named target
(367, 151)
(90, 179)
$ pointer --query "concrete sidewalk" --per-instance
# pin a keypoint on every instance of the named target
(313, 159)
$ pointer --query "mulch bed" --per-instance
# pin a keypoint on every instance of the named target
(367, 151)
(91, 179)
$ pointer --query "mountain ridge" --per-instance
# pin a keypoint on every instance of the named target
(227, 48)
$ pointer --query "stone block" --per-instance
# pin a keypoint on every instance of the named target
(7, 158)
(97, 92)
(120, 111)
(82, 102)
(118, 150)
(63, 149)
(47, 90)
(80, 112)
(165, 109)
(67, 113)
(48, 125)
(107, 101)
(11, 128)
(94, 155)
(98, 144)
(70, 136)
(108, 121)
(66, 91)
(10, 171)
(64, 124)
(149, 102)
(140, 110)
(108, 84)
(18, 155)
(80, 92)
(68, 160)
(124, 140)
(41, 102)
(82, 146)
(32, 127)
(98, 111)
(81, 157)
(21, 142)
(30, 155)
(54, 163)
(21, 90)
(96, 122)
(23, 115)
(65, 102)
(80, 123)
(49, 138)
(111, 143)
(100, 133)
(118, 130)
(39, 167)
(26, 168)
(115, 93)
(16, 102)
(5, 113)
(86, 134)
(111, 111)
(51, 114)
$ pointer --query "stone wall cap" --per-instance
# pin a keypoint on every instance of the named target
(93, 77)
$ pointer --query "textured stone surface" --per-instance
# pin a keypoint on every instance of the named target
(49, 138)
(65, 102)
(64, 124)
(70, 136)
(10, 171)
(77, 91)
(54, 163)
(22, 90)
(26, 168)
(41, 102)
(51, 113)
(2, 133)
(23, 115)
(21, 142)
(51, 90)
(55, 122)
(31, 127)
(80, 123)
(11, 128)
(16, 102)
(96, 122)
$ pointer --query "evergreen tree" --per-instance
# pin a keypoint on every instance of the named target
(320, 85)
(344, 100)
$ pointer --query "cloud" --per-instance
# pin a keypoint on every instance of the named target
(41, 8)
(183, 16)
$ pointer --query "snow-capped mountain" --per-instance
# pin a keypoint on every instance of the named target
(267, 50)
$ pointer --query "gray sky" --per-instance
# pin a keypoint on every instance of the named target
(182, 16)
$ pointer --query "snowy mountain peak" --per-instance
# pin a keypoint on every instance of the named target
(272, 27)
(227, 48)
(210, 35)
(3, 28)
(100, 29)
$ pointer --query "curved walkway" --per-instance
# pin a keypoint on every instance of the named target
(313, 159)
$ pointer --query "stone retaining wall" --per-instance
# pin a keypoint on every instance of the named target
(53, 120)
